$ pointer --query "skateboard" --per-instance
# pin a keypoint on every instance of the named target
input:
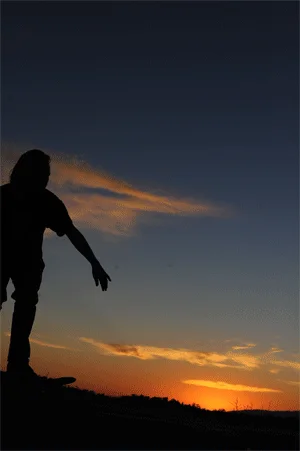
(9, 381)
(56, 382)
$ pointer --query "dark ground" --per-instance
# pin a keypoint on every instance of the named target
(72, 419)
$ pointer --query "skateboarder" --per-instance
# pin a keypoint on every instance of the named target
(27, 208)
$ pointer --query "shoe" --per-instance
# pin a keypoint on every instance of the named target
(23, 372)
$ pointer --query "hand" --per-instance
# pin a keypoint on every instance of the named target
(100, 276)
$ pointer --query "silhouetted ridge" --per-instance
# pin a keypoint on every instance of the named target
(71, 418)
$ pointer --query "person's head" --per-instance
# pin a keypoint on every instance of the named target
(32, 171)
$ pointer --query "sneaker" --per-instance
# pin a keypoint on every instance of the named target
(23, 372)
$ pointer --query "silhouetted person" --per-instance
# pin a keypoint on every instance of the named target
(27, 208)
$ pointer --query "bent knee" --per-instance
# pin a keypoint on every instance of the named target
(27, 297)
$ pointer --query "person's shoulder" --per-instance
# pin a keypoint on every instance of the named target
(49, 195)
(52, 198)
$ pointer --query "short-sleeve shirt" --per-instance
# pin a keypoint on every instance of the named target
(24, 219)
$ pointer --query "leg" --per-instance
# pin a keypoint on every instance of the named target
(27, 281)
(4, 280)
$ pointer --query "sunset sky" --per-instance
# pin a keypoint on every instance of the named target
(173, 132)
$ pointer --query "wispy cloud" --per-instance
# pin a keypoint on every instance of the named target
(82, 188)
(225, 386)
(150, 352)
(230, 359)
(245, 346)
(287, 364)
(46, 344)
(50, 345)
(274, 370)
(296, 383)
(274, 349)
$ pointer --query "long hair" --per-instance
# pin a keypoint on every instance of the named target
(32, 170)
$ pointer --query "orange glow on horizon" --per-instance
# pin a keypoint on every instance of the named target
(116, 376)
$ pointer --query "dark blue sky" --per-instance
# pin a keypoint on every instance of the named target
(199, 100)
(196, 98)
(201, 82)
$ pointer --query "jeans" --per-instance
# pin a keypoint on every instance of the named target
(26, 277)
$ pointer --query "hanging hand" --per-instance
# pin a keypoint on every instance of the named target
(100, 275)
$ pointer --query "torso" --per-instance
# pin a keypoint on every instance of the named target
(23, 222)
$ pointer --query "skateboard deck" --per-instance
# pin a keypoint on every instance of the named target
(43, 383)
(57, 381)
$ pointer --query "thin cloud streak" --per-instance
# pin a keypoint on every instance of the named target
(47, 345)
(288, 364)
(150, 352)
(295, 383)
(230, 359)
(246, 346)
(71, 177)
(274, 349)
(234, 387)
(50, 345)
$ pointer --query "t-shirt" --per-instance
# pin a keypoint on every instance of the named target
(24, 218)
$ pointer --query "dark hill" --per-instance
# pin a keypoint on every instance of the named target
(74, 419)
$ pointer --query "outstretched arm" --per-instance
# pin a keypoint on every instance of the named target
(80, 243)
